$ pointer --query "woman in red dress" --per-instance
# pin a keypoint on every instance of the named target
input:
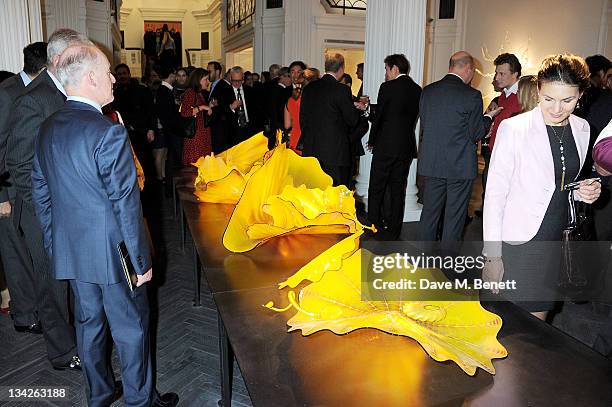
(292, 109)
(193, 103)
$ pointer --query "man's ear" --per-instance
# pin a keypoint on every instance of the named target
(91, 77)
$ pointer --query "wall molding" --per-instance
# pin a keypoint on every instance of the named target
(162, 14)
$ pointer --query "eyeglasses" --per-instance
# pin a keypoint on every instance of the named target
(237, 80)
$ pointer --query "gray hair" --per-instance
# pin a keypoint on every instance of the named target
(75, 62)
(333, 62)
(274, 70)
(62, 39)
(236, 69)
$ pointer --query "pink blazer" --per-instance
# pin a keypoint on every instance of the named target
(521, 179)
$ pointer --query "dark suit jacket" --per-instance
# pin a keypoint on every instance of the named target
(327, 115)
(253, 109)
(86, 196)
(166, 111)
(452, 123)
(10, 90)
(135, 103)
(397, 110)
(40, 100)
(274, 100)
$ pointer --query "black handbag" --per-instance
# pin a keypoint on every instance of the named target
(574, 265)
(188, 126)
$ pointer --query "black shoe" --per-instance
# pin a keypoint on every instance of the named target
(31, 329)
(166, 400)
(73, 364)
(478, 212)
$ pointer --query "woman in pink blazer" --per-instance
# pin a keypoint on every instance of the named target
(536, 154)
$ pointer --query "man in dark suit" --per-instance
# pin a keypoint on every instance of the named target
(83, 164)
(43, 97)
(276, 93)
(221, 124)
(452, 123)
(245, 111)
(13, 249)
(168, 126)
(327, 115)
(393, 144)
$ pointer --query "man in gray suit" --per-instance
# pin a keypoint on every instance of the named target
(452, 123)
(13, 250)
(43, 97)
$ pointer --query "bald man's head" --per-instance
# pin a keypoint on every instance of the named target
(462, 64)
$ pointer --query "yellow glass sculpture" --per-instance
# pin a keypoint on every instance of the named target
(222, 178)
(461, 331)
(289, 194)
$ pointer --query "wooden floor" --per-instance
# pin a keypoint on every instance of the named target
(187, 354)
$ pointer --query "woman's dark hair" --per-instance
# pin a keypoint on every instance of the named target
(165, 28)
(565, 68)
(266, 76)
(195, 77)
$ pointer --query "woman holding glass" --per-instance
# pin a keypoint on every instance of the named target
(193, 103)
(536, 155)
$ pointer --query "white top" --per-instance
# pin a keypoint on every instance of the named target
(57, 83)
(86, 101)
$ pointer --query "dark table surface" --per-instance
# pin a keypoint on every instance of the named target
(367, 367)
(371, 368)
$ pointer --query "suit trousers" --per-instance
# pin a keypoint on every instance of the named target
(388, 173)
(19, 274)
(451, 196)
(52, 294)
(341, 175)
(97, 307)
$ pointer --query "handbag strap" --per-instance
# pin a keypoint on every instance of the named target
(572, 217)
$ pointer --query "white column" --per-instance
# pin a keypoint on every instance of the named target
(21, 25)
(393, 26)
(298, 31)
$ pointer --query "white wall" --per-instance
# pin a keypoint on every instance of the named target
(193, 14)
(531, 30)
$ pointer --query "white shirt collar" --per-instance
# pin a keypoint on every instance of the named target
(86, 101)
(57, 83)
(401, 74)
(452, 73)
(281, 85)
(25, 78)
(166, 84)
(511, 89)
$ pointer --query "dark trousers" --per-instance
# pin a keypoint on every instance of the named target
(388, 174)
(18, 272)
(52, 294)
(340, 174)
(451, 196)
(221, 137)
(485, 151)
(97, 307)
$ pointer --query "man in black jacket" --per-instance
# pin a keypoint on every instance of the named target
(13, 250)
(327, 115)
(43, 97)
(221, 121)
(244, 108)
(276, 93)
(393, 143)
(168, 128)
(452, 123)
(135, 103)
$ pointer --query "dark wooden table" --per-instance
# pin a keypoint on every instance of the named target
(368, 367)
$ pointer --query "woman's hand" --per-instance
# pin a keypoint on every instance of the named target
(493, 271)
(589, 190)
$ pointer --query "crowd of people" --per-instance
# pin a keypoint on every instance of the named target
(65, 160)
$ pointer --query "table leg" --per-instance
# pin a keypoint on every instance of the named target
(196, 278)
(227, 365)
(182, 231)
(174, 196)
